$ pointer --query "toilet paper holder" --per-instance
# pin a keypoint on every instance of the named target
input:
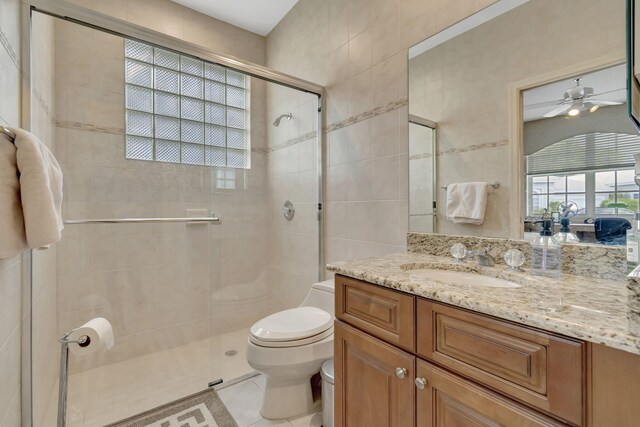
(64, 341)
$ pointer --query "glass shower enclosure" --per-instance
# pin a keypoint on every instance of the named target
(422, 174)
(176, 170)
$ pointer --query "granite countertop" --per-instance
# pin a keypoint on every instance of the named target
(596, 310)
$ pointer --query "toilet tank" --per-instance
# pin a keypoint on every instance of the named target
(321, 295)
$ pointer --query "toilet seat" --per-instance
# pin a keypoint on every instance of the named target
(292, 343)
(290, 328)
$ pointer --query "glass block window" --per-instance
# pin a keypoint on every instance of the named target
(183, 110)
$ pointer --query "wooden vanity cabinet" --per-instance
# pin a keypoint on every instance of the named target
(463, 371)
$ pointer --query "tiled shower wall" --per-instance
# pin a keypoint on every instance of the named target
(480, 65)
(292, 175)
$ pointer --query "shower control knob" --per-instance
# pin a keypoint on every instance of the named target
(288, 210)
(401, 373)
(421, 383)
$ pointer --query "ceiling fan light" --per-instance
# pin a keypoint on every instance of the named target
(593, 108)
(575, 108)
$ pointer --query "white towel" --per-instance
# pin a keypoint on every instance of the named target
(40, 195)
(12, 237)
(466, 202)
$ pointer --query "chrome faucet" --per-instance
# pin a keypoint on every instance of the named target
(482, 256)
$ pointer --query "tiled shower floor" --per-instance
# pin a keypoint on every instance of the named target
(113, 392)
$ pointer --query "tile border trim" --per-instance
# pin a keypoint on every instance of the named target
(88, 127)
(367, 115)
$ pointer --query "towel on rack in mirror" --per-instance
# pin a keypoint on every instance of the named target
(466, 202)
(30, 195)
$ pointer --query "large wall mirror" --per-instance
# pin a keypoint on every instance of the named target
(543, 114)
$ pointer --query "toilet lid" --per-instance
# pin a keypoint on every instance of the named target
(295, 324)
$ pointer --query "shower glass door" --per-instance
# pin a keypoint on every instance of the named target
(142, 131)
(130, 141)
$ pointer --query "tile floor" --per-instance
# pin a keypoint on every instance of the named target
(243, 401)
(117, 391)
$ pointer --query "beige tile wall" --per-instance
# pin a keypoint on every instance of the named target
(358, 50)
(463, 85)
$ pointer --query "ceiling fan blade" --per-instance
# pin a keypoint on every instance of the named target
(603, 103)
(595, 95)
(546, 104)
(558, 110)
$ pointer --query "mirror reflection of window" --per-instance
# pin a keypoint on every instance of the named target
(579, 147)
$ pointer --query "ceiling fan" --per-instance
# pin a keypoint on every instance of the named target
(578, 99)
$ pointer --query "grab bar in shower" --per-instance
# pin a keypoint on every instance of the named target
(140, 220)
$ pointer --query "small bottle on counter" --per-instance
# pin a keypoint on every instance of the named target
(633, 244)
(546, 252)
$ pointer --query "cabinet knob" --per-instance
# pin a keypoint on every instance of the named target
(401, 372)
(421, 383)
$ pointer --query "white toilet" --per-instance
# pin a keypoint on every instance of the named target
(289, 347)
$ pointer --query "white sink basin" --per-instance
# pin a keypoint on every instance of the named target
(463, 278)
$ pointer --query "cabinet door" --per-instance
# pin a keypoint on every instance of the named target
(451, 401)
(373, 381)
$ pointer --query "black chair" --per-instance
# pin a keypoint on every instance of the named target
(611, 231)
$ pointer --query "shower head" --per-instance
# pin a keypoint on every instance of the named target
(288, 116)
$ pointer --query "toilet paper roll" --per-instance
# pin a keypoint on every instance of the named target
(99, 333)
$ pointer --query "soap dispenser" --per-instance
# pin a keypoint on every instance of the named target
(565, 235)
(545, 252)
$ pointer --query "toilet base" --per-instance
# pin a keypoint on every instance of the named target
(287, 397)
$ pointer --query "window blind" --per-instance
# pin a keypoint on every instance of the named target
(593, 151)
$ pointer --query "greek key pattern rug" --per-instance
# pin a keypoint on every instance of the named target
(204, 409)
